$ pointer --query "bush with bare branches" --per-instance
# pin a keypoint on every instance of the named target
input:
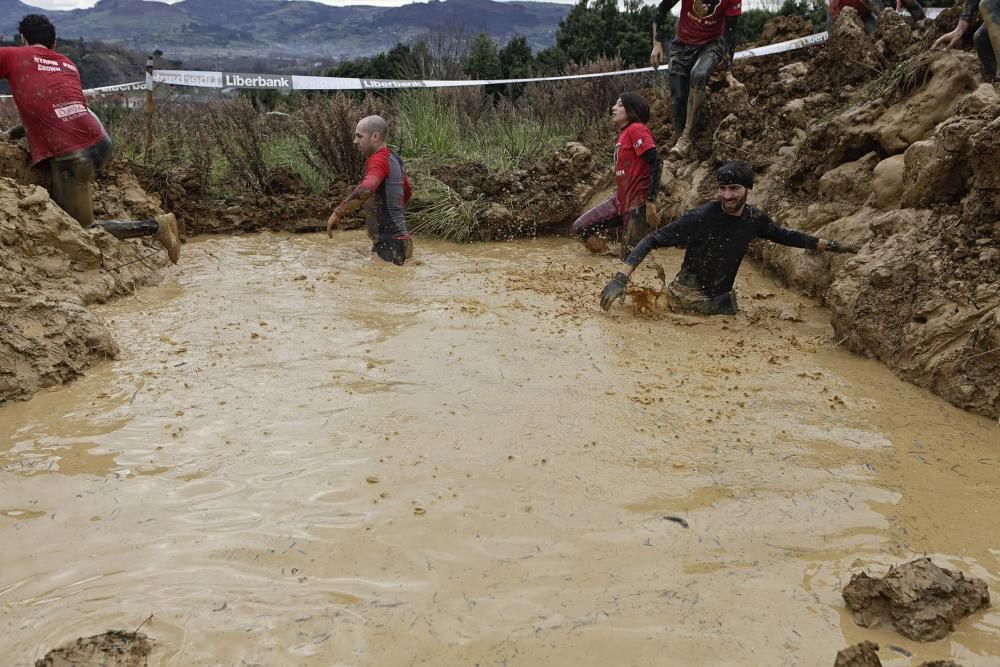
(324, 131)
(238, 130)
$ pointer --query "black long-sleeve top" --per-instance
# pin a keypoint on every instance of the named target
(662, 11)
(716, 243)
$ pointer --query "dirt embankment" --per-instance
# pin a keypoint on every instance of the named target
(907, 164)
(51, 269)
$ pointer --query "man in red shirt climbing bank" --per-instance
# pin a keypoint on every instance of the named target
(384, 191)
(63, 134)
(694, 55)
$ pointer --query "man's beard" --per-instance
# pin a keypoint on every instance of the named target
(737, 206)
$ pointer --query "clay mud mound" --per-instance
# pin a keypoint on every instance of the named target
(51, 269)
(918, 183)
(919, 600)
(290, 207)
(543, 199)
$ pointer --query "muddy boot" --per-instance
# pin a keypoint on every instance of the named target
(596, 245)
(166, 234)
(682, 149)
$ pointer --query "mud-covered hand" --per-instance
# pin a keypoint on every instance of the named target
(332, 222)
(837, 246)
(652, 216)
(614, 290)
(949, 40)
(656, 55)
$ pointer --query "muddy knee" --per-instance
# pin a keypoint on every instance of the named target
(700, 74)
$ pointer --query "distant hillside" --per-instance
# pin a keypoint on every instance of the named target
(197, 29)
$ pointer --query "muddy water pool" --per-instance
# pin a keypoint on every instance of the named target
(304, 456)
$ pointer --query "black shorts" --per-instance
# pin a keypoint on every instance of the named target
(396, 251)
(684, 56)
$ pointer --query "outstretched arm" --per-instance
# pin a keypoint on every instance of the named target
(674, 234)
(797, 239)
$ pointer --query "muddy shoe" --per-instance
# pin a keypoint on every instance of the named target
(596, 245)
(682, 148)
(166, 234)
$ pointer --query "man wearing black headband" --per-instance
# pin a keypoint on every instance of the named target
(716, 236)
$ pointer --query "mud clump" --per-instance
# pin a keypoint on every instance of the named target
(864, 654)
(51, 269)
(110, 649)
(919, 600)
(784, 28)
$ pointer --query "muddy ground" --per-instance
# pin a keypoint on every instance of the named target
(52, 271)
(905, 164)
(302, 456)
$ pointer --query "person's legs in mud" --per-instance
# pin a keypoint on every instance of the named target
(602, 217)
(394, 251)
(681, 298)
(72, 190)
(707, 59)
(634, 230)
(681, 60)
(987, 39)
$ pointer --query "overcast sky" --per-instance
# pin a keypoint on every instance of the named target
(77, 4)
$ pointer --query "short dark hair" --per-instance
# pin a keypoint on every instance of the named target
(636, 108)
(38, 29)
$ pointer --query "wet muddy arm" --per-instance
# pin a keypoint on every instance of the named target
(675, 234)
(652, 158)
(662, 11)
(951, 39)
(354, 201)
(729, 39)
(788, 237)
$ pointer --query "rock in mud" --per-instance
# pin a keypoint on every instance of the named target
(864, 654)
(919, 600)
(110, 649)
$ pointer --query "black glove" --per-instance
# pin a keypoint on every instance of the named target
(614, 290)
(16, 132)
(836, 246)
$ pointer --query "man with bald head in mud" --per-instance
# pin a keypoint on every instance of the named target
(986, 37)
(386, 179)
(64, 136)
(716, 236)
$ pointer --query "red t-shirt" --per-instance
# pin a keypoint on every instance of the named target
(49, 98)
(631, 171)
(702, 21)
(735, 8)
(859, 5)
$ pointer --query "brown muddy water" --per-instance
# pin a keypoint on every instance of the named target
(307, 457)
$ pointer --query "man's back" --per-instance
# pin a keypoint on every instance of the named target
(49, 98)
